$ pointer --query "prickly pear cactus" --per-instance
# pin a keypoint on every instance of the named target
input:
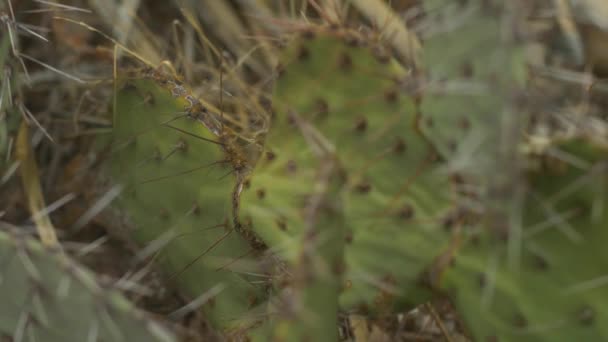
(374, 186)
(529, 266)
(46, 297)
(179, 178)
(551, 286)
(340, 93)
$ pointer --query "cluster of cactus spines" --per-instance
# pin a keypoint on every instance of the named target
(47, 297)
(179, 180)
(340, 92)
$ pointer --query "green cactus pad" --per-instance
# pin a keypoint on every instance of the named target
(307, 309)
(340, 93)
(556, 288)
(178, 193)
(474, 68)
(47, 297)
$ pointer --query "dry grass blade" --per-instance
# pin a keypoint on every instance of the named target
(120, 17)
(403, 41)
(591, 11)
(31, 184)
(225, 24)
(569, 29)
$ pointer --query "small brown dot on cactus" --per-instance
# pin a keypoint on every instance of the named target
(449, 222)
(247, 184)
(308, 34)
(252, 299)
(467, 69)
(464, 124)
(482, 280)
(182, 146)
(261, 193)
(519, 321)
(457, 178)
(339, 267)
(281, 224)
(280, 70)
(428, 121)
(270, 156)
(163, 214)
(475, 240)
(349, 238)
(434, 157)
(391, 96)
(291, 166)
(586, 315)
(406, 212)
(399, 146)
(196, 209)
(361, 124)
(321, 107)
(540, 263)
(149, 99)
(345, 61)
(363, 187)
(291, 119)
(303, 53)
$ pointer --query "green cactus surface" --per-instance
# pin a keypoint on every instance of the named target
(529, 267)
(47, 297)
(555, 290)
(375, 186)
(178, 182)
(307, 308)
(474, 67)
(340, 93)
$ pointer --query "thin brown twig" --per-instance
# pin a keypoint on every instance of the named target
(439, 322)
